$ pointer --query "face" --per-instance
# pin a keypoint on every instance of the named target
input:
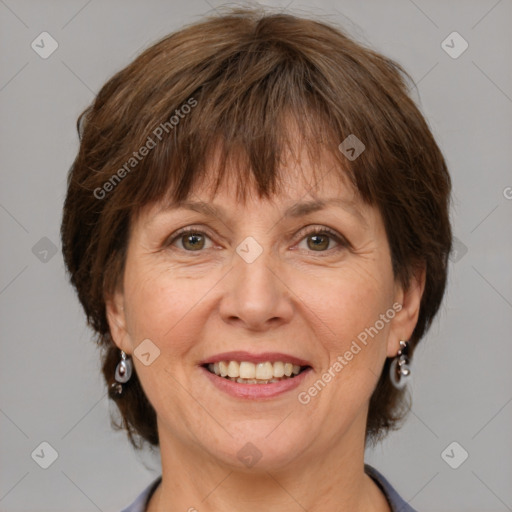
(262, 283)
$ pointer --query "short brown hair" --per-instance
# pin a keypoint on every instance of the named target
(242, 74)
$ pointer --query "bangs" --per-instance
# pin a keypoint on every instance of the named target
(270, 94)
(247, 138)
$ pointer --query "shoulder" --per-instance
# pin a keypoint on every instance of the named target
(140, 503)
(397, 503)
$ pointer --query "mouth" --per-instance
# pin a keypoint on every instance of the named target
(248, 372)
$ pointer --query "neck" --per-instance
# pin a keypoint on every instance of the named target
(333, 482)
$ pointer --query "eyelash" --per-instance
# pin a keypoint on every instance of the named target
(342, 242)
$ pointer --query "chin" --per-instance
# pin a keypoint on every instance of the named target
(260, 449)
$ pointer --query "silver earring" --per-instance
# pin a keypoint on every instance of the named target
(123, 374)
(399, 370)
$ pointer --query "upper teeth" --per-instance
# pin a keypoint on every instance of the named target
(247, 370)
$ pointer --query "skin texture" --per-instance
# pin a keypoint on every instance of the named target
(298, 297)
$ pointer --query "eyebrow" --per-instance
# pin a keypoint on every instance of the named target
(294, 211)
(304, 208)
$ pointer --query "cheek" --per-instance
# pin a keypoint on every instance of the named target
(160, 307)
(352, 309)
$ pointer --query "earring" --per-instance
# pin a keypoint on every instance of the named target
(123, 374)
(399, 370)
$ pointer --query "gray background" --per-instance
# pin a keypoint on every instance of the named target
(50, 385)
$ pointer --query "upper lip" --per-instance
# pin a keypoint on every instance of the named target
(262, 357)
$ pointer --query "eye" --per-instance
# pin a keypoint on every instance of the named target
(318, 239)
(192, 240)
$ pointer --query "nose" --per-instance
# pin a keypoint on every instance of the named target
(256, 296)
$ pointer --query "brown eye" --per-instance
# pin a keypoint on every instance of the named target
(193, 241)
(190, 240)
(318, 240)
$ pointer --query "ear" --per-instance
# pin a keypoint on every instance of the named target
(404, 322)
(116, 317)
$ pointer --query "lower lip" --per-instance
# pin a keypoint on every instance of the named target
(255, 391)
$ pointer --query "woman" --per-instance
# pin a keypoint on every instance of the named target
(257, 226)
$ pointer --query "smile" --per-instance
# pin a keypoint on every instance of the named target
(245, 372)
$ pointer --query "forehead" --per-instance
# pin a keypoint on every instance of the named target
(304, 188)
(302, 184)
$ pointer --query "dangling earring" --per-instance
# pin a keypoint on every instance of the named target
(123, 374)
(399, 370)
